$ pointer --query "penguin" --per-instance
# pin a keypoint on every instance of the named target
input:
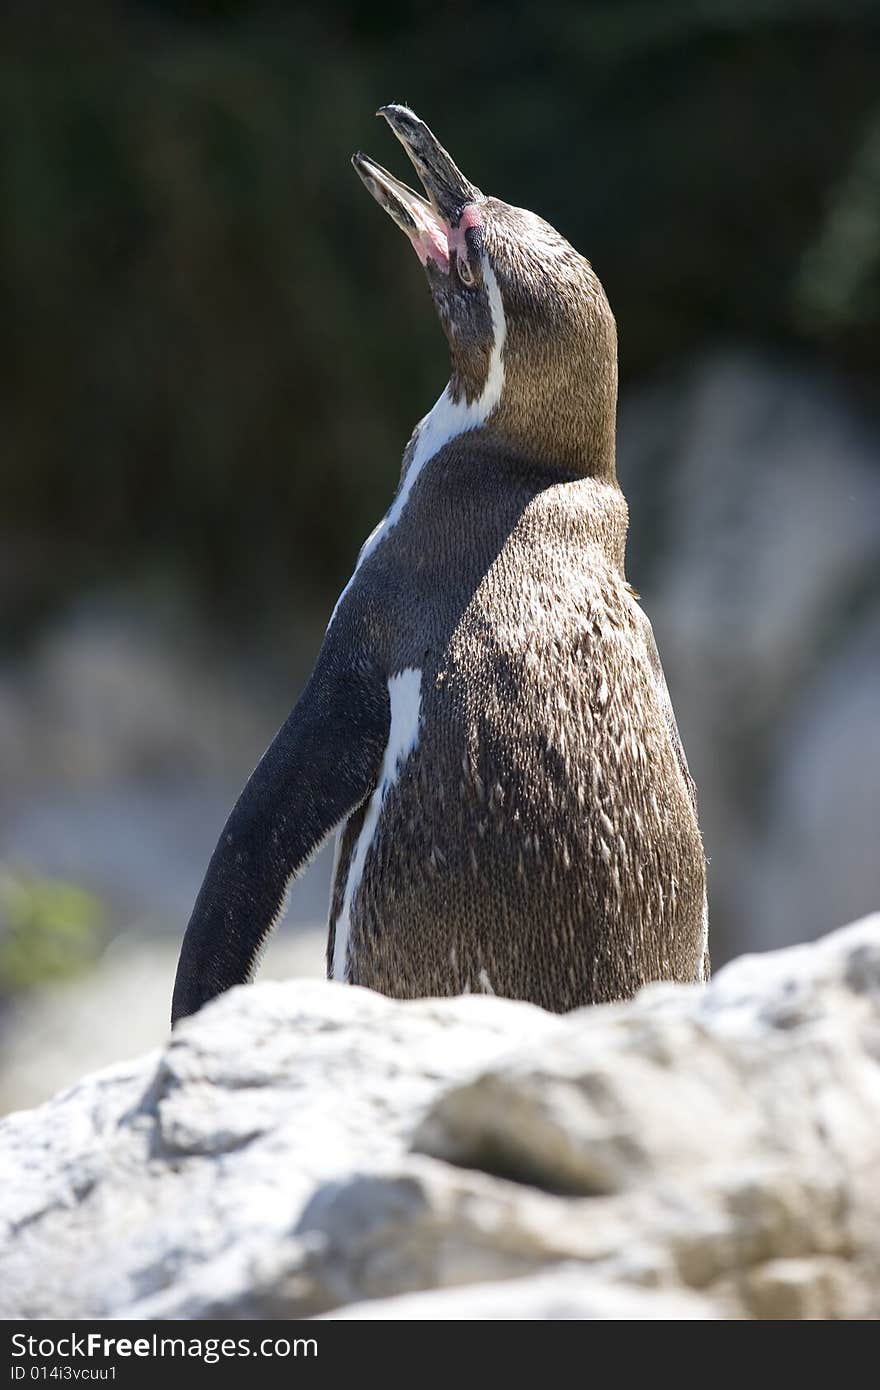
(487, 727)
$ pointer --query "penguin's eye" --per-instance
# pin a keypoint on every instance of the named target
(465, 274)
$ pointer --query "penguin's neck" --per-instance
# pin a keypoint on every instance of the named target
(586, 503)
(456, 412)
(557, 403)
(562, 423)
(566, 434)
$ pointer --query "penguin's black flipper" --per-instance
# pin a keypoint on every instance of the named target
(321, 764)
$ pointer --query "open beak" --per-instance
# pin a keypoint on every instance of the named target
(426, 221)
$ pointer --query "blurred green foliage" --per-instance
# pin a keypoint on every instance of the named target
(214, 345)
(49, 930)
(838, 289)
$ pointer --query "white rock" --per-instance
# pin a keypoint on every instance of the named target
(300, 1148)
(562, 1292)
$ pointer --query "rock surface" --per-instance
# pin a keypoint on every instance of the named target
(563, 1291)
(302, 1149)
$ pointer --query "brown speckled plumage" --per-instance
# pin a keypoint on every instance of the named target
(543, 831)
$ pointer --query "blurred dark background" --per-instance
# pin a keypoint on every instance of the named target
(215, 348)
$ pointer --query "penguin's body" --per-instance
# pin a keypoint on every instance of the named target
(487, 725)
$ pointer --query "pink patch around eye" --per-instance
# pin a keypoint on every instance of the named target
(434, 240)
(457, 236)
(471, 217)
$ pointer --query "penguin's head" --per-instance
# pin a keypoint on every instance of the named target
(530, 331)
